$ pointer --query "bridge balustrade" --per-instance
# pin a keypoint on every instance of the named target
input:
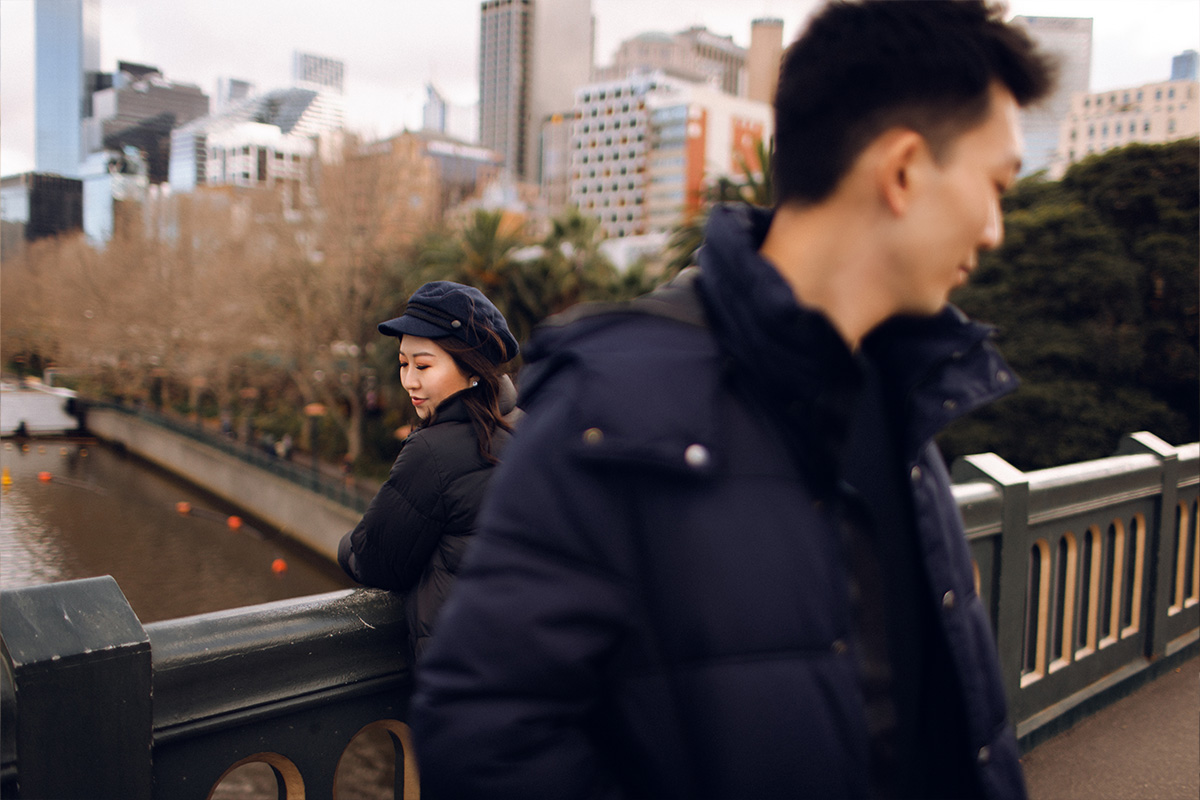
(1091, 573)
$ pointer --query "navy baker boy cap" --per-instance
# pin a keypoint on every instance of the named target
(444, 308)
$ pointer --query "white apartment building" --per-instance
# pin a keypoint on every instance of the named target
(263, 141)
(644, 148)
(1149, 114)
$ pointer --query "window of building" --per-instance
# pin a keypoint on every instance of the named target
(1158, 94)
(1091, 131)
(1171, 125)
(1146, 126)
(1118, 129)
(1139, 95)
(1087, 102)
(1171, 93)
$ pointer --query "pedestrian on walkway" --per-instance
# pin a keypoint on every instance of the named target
(453, 341)
(722, 558)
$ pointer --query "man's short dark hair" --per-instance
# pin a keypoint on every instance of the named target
(861, 68)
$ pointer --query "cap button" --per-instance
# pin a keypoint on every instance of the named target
(455, 324)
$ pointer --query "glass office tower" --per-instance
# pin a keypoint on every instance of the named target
(67, 36)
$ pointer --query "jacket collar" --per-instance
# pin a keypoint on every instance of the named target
(938, 367)
(453, 409)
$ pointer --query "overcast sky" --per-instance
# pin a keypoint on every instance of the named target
(391, 48)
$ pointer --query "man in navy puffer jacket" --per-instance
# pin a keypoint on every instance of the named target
(722, 558)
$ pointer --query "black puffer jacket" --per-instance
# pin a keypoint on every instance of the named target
(658, 604)
(416, 530)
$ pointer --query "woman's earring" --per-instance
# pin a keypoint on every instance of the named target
(474, 382)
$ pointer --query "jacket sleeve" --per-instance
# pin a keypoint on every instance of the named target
(393, 541)
(505, 689)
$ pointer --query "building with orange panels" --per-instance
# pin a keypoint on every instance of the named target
(643, 149)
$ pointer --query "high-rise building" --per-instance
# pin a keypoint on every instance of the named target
(660, 52)
(434, 112)
(140, 109)
(231, 91)
(45, 205)
(644, 148)
(318, 73)
(263, 141)
(1069, 40)
(326, 77)
(532, 56)
(695, 55)
(720, 50)
(1183, 66)
(1149, 114)
(763, 58)
(67, 61)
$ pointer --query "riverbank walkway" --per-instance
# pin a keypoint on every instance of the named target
(1142, 747)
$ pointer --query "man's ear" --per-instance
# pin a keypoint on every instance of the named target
(900, 157)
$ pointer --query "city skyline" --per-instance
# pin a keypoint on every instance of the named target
(393, 49)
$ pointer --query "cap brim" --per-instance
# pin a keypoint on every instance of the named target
(413, 327)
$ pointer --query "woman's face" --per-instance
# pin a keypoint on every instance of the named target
(428, 373)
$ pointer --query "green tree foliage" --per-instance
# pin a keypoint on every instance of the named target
(528, 280)
(1095, 294)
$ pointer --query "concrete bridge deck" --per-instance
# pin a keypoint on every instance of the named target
(1143, 747)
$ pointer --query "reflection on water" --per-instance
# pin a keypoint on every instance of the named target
(104, 513)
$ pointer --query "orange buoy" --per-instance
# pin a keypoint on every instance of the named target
(44, 477)
(6, 478)
(279, 566)
(183, 507)
(234, 523)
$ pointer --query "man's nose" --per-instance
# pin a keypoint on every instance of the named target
(993, 232)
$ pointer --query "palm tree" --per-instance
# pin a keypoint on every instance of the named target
(484, 254)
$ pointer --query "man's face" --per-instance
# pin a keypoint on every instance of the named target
(956, 208)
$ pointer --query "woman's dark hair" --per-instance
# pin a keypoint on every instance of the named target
(483, 400)
(863, 67)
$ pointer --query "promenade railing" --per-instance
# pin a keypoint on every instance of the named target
(1091, 573)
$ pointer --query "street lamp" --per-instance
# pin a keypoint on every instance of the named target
(314, 412)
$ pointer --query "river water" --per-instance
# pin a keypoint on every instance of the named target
(103, 512)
